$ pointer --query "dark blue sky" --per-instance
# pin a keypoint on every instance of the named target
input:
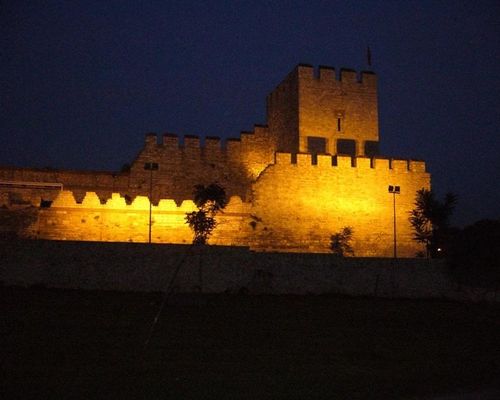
(82, 83)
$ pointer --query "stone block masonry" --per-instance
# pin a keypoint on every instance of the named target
(294, 207)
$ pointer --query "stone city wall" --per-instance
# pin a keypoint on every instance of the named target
(188, 161)
(295, 205)
(117, 221)
(299, 205)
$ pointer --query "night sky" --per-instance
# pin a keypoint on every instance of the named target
(81, 84)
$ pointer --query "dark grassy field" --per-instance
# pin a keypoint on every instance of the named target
(79, 344)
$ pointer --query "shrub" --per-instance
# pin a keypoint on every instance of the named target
(340, 242)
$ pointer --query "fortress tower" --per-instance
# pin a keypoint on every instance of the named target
(319, 113)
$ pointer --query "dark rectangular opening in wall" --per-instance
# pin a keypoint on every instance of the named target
(45, 203)
(347, 147)
(371, 148)
(316, 145)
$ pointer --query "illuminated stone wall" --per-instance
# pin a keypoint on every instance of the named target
(117, 221)
(282, 111)
(325, 99)
(190, 161)
(299, 205)
(309, 103)
(294, 207)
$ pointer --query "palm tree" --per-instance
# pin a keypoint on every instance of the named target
(430, 220)
(210, 200)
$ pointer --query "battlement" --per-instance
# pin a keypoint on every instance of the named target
(66, 199)
(174, 141)
(323, 75)
(347, 162)
(328, 74)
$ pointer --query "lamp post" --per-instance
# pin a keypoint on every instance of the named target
(394, 190)
(150, 166)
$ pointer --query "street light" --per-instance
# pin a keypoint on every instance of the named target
(150, 166)
(394, 190)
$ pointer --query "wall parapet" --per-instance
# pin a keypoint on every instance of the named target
(327, 74)
(66, 199)
(348, 162)
(174, 141)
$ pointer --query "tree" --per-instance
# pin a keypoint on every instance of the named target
(210, 200)
(340, 243)
(430, 221)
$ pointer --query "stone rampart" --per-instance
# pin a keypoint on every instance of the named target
(187, 161)
(300, 204)
(296, 204)
(117, 221)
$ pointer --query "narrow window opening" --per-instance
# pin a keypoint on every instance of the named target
(340, 114)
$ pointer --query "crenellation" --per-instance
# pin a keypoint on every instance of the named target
(369, 79)
(304, 159)
(247, 138)
(213, 144)
(233, 147)
(363, 163)
(324, 161)
(151, 140)
(91, 200)
(327, 74)
(343, 162)
(417, 166)
(305, 71)
(170, 140)
(64, 199)
(282, 158)
(260, 126)
(192, 143)
(398, 165)
(117, 201)
(348, 76)
(381, 163)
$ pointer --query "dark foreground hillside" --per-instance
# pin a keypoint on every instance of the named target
(82, 344)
